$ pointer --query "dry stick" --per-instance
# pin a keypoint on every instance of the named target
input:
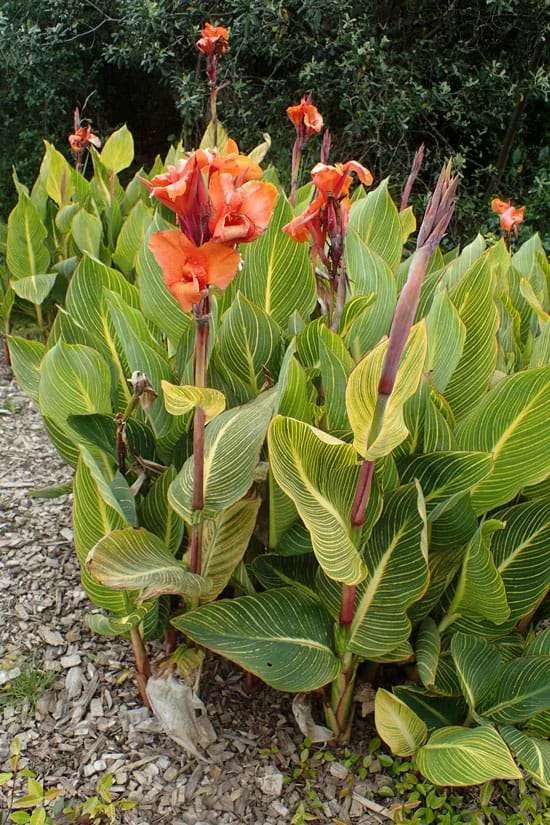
(202, 318)
(436, 220)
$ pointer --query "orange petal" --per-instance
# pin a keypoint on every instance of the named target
(499, 206)
(231, 147)
(186, 293)
(258, 202)
(313, 119)
(171, 250)
(300, 226)
(295, 113)
(329, 179)
(222, 263)
(361, 171)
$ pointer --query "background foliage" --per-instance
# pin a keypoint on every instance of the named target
(387, 75)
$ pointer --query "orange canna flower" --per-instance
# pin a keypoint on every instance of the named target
(188, 270)
(510, 216)
(177, 187)
(239, 213)
(335, 181)
(320, 218)
(213, 40)
(174, 187)
(81, 137)
(241, 167)
(306, 118)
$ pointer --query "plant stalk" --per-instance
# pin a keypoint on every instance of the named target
(434, 225)
(39, 316)
(202, 317)
(362, 493)
(338, 716)
(340, 301)
(142, 663)
(214, 112)
(296, 160)
(348, 604)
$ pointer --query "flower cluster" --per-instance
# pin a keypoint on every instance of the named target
(82, 135)
(306, 118)
(219, 201)
(510, 216)
(214, 40)
(80, 139)
(327, 214)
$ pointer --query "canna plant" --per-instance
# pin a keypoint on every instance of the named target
(300, 440)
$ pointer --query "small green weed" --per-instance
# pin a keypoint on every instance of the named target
(26, 801)
(31, 683)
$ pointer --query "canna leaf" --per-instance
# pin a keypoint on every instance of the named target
(510, 424)
(473, 298)
(118, 152)
(396, 556)
(139, 560)
(465, 756)
(87, 230)
(532, 754)
(158, 517)
(35, 288)
(444, 476)
(428, 648)
(446, 337)
(225, 541)
(277, 275)
(376, 220)
(398, 725)
(478, 665)
(362, 394)
(180, 400)
(319, 473)
(283, 636)
(93, 518)
(74, 380)
(26, 357)
(479, 591)
(523, 690)
(232, 449)
(26, 251)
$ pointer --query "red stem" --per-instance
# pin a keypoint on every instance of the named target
(362, 493)
(347, 608)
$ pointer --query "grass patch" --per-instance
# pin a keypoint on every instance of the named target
(31, 683)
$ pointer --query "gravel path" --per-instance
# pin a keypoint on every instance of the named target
(89, 721)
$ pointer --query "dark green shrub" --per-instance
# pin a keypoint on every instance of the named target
(387, 75)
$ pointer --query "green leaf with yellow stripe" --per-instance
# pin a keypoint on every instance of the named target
(283, 636)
